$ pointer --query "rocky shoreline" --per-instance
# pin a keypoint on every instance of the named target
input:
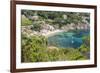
(50, 30)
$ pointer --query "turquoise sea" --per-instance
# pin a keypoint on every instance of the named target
(70, 39)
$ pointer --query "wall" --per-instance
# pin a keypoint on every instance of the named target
(5, 36)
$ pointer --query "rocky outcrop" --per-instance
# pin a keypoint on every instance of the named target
(76, 27)
(33, 17)
(46, 29)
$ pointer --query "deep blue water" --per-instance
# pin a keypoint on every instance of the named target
(71, 39)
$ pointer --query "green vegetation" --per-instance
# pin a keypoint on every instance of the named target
(34, 46)
(85, 47)
(34, 49)
(56, 18)
(25, 21)
(86, 40)
(74, 54)
(37, 25)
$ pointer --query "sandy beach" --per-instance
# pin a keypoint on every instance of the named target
(50, 33)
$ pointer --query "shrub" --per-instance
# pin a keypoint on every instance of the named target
(32, 48)
(84, 48)
(74, 54)
(86, 40)
(25, 21)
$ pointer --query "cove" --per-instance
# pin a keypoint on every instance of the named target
(70, 39)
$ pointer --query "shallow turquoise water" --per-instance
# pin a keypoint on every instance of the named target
(71, 39)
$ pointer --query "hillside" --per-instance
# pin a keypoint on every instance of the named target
(38, 26)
